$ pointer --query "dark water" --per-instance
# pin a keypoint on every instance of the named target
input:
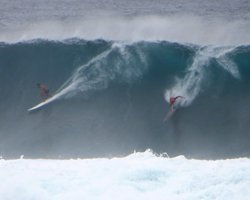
(111, 99)
(113, 66)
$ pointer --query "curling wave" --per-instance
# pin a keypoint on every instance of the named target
(110, 98)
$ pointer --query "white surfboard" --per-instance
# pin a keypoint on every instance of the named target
(47, 101)
(169, 115)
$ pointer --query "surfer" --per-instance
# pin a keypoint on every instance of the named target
(44, 91)
(172, 101)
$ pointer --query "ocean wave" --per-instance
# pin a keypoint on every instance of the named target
(111, 97)
(179, 28)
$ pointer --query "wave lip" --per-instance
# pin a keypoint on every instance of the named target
(177, 28)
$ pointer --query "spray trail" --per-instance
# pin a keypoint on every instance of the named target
(118, 62)
(191, 85)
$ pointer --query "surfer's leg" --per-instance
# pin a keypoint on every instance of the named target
(172, 108)
(168, 115)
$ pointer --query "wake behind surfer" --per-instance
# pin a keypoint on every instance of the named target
(44, 91)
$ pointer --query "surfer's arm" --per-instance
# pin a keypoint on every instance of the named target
(178, 97)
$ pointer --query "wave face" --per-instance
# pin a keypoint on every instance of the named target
(111, 97)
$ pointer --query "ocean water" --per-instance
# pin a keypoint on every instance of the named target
(111, 67)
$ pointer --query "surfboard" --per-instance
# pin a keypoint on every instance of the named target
(169, 115)
(41, 104)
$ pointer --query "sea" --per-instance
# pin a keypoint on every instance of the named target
(111, 67)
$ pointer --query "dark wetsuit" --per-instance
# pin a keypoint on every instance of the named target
(44, 91)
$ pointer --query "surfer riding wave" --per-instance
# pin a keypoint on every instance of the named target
(44, 91)
(172, 101)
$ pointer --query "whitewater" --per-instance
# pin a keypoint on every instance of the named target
(140, 176)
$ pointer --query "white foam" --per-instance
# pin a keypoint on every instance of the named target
(97, 73)
(177, 28)
(80, 82)
(191, 84)
(140, 176)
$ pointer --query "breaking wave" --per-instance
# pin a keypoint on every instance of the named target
(110, 97)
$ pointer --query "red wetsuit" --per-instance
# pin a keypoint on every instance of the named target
(171, 102)
(173, 99)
